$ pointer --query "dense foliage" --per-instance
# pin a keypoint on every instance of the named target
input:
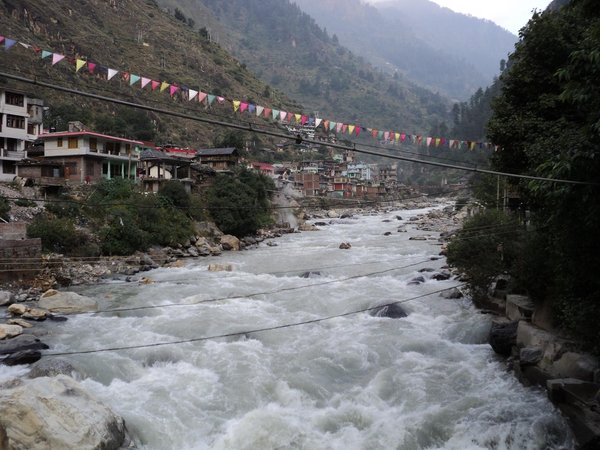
(240, 205)
(547, 122)
(4, 208)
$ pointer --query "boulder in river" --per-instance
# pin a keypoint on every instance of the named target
(345, 246)
(229, 242)
(503, 336)
(43, 413)
(19, 343)
(9, 331)
(5, 298)
(393, 311)
(51, 367)
(66, 302)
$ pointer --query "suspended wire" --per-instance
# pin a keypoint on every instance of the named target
(255, 129)
(251, 331)
(241, 296)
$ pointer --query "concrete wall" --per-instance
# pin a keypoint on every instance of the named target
(20, 260)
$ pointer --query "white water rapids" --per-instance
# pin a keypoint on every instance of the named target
(427, 381)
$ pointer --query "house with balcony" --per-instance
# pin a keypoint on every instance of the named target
(83, 156)
(21, 119)
(219, 159)
(158, 167)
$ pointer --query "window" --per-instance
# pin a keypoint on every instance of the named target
(73, 142)
(15, 122)
(9, 167)
(93, 144)
(15, 99)
(59, 142)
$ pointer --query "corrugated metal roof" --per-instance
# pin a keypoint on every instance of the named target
(217, 151)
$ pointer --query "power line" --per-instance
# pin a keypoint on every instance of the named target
(254, 129)
(248, 332)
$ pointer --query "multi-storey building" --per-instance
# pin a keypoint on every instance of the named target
(21, 122)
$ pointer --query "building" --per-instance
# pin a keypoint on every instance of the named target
(21, 121)
(308, 183)
(157, 167)
(219, 159)
(359, 171)
(84, 157)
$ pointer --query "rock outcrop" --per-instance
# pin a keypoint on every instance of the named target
(47, 413)
(66, 302)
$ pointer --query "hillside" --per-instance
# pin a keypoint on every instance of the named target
(287, 49)
(443, 50)
(132, 36)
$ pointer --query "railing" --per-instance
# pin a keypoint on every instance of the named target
(11, 153)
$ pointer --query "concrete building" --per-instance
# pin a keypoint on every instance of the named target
(21, 122)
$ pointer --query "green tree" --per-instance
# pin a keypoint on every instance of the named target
(546, 122)
(240, 205)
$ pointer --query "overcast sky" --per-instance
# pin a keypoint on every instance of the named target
(509, 14)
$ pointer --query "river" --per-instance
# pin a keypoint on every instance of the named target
(426, 381)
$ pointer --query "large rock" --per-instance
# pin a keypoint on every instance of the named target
(393, 311)
(66, 302)
(575, 365)
(220, 267)
(5, 298)
(20, 343)
(229, 242)
(207, 229)
(10, 331)
(22, 357)
(18, 309)
(56, 413)
(503, 336)
(51, 367)
(519, 307)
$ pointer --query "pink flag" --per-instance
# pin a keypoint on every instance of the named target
(173, 89)
(267, 112)
(91, 67)
(243, 106)
(201, 96)
(282, 115)
(357, 130)
(57, 58)
(429, 141)
(339, 127)
(344, 128)
(303, 120)
(220, 100)
(155, 85)
(145, 81)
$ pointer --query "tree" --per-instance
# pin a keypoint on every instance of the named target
(546, 121)
(239, 204)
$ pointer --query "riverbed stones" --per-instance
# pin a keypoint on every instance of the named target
(20, 322)
(503, 335)
(56, 412)
(519, 307)
(307, 227)
(220, 268)
(393, 311)
(20, 343)
(230, 243)
(17, 309)
(575, 365)
(8, 331)
(51, 367)
(36, 314)
(66, 302)
(345, 246)
(5, 298)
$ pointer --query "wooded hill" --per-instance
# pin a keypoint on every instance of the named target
(127, 35)
(286, 48)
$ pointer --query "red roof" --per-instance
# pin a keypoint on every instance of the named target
(88, 133)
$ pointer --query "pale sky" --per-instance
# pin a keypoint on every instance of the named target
(509, 14)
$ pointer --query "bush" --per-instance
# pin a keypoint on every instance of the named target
(488, 245)
(175, 192)
(240, 205)
(58, 235)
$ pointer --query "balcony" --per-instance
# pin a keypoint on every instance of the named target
(12, 154)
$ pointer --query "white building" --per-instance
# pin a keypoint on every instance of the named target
(359, 171)
(21, 120)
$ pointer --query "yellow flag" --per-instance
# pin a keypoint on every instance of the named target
(79, 64)
(298, 117)
(351, 129)
(438, 141)
(397, 136)
(236, 105)
(164, 85)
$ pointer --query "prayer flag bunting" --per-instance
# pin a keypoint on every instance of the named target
(173, 89)
(251, 108)
(236, 105)
(155, 85)
(144, 82)
(91, 67)
(268, 112)
(125, 76)
(343, 128)
(8, 43)
(1, 39)
(260, 110)
(298, 117)
(111, 73)
(358, 128)
(133, 79)
(202, 96)
(164, 85)
(351, 129)
(386, 135)
(429, 141)
(46, 53)
(282, 115)
(332, 125)
(374, 133)
(438, 141)
(304, 119)
(318, 122)
(243, 106)
(79, 64)
(221, 100)
(275, 114)
(56, 57)
(192, 94)
(211, 98)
